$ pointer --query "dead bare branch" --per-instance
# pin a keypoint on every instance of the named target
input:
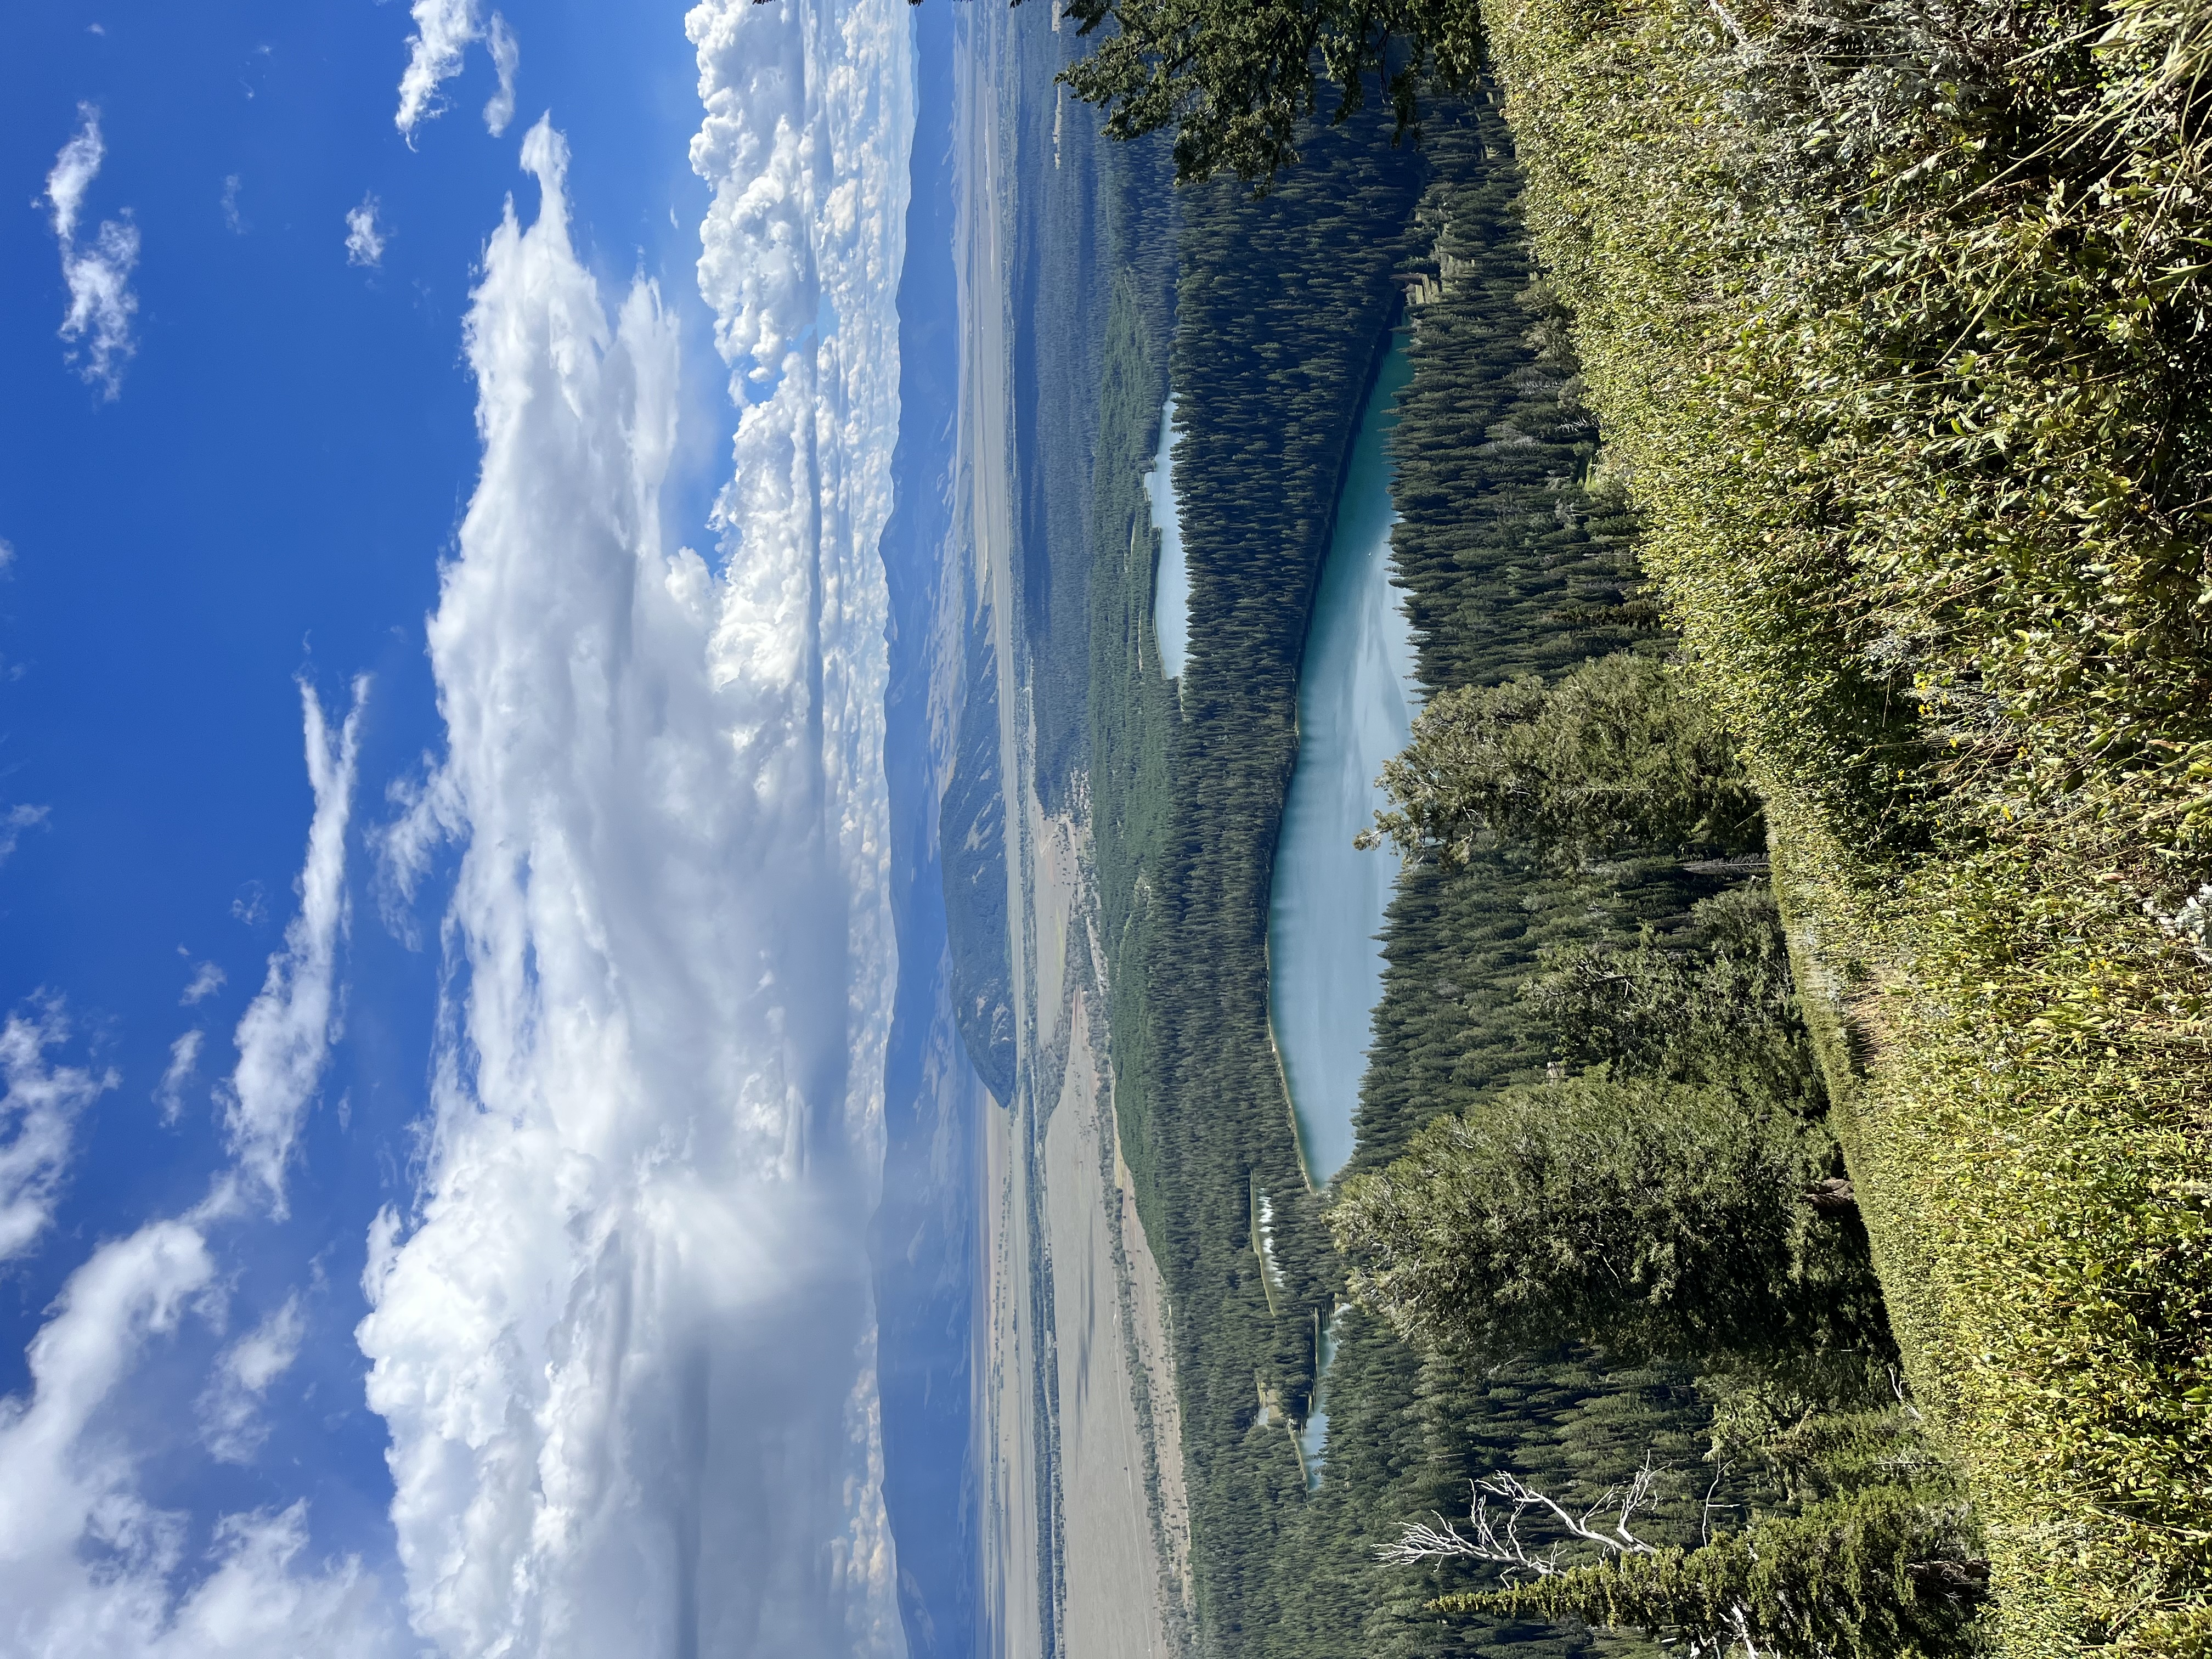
(1495, 1536)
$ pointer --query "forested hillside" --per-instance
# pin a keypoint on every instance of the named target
(1894, 319)
(1282, 311)
(1522, 574)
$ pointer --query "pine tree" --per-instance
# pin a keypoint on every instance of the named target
(1617, 755)
(1651, 1220)
(1714, 1004)
(1885, 1572)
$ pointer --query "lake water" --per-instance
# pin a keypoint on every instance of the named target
(1356, 703)
(1313, 1433)
(1171, 575)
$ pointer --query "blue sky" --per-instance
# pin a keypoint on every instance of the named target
(569, 1022)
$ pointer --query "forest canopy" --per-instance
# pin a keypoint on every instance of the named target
(1619, 754)
(1234, 79)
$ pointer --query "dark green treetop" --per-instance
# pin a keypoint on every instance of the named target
(1234, 78)
(1648, 1218)
(1619, 755)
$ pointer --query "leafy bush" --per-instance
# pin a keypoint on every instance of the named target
(1894, 314)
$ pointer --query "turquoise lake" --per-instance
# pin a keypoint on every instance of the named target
(1357, 698)
(1171, 574)
(1313, 1433)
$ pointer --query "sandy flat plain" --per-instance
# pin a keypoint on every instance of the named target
(1126, 1520)
(1012, 1440)
(1087, 1532)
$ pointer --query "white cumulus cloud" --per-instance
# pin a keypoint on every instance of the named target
(97, 270)
(88, 1568)
(365, 238)
(623, 1339)
(37, 1116)
(284, 1038)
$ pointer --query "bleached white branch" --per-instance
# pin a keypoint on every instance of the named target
(1494, 1535)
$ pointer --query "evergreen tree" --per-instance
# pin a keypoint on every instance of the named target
(1884, 1572)
(1617, 755)
(1653, 1219)
(1235, 78)
(1714, 1006)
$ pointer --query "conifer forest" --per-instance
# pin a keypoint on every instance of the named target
(1780, 1217)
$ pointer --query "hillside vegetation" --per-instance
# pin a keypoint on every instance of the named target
(1895, 319)
(1892, 316)
(1589, 971)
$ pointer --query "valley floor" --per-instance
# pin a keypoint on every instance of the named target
(1087, 1532)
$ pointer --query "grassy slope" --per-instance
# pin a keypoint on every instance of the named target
(2018, 1052)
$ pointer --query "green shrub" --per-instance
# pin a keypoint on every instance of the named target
(1894, 318)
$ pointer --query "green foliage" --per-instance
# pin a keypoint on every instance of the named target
(1276, 337)
(1516, 559)
(1812, 1450)
(2023, 1111)
(1237, 80)
(1616, 755)
(1882, 1572)
(1725, 1014)
(1651, 1220)
(1893, 315)
(1516, 565)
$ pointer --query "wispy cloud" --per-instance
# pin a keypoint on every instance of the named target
(626, 1326)
(88, 1566)
(207, 979)
(232, 218)
(430, 817)
(230, 1410)
(284, 1039)
(365, 238)
(184, 1065)
(14, 821)
(132, 1288)
(97, 271)
(252, 904)
(507, 58)
(444, 29)
(37, 1118)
